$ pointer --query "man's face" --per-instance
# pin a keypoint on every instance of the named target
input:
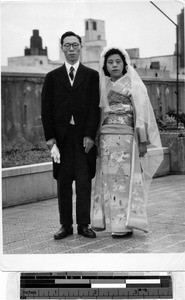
(72, 49)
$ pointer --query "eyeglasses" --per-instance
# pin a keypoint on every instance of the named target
(74, 45)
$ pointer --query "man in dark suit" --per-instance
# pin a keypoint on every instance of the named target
(70, 116)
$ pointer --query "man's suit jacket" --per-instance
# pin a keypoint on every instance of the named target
(60, 101)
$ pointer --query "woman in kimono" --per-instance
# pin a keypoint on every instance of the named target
(125, 164)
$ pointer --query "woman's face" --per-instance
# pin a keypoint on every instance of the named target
(115, 66)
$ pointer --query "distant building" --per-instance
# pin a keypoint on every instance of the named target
(181, 34)
(35, 45)
(158, 65)
(133, 53)
(33, 56)
(93, 43)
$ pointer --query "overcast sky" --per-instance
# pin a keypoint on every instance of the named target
(131, 24)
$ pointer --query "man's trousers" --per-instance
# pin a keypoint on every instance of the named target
(73, 167)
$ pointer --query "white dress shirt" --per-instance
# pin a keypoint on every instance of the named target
(75, 66)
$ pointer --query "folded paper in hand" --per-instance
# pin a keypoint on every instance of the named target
(55, 154)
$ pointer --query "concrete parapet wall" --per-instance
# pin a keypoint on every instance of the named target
(21, 105)
(27, 184)
(32, 183)
(176, 145)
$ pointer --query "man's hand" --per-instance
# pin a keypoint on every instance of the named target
(142, 149)
(87, 143)
(50, 143)
(55, 154)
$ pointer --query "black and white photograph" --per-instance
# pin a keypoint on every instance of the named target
(93, 134)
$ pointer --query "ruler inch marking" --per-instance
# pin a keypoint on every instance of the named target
(94, 285)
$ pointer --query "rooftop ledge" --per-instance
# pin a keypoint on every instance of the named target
(27, 169)
(47, 166)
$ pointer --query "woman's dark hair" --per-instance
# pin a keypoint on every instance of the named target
(112, 52)
(70, 33)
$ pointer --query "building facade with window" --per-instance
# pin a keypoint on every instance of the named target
(36, 55)
(93, 42)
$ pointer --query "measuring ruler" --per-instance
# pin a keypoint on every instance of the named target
(95, 285)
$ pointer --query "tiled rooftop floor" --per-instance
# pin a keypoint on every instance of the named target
(29, 228)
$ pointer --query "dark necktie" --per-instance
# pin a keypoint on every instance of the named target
(71, 74)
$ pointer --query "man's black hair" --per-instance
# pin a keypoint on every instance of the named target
(70, 33)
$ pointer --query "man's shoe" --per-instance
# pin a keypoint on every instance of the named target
(86, 231)
(63, 232)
